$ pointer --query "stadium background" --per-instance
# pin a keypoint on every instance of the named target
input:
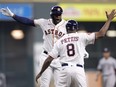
(18, 56)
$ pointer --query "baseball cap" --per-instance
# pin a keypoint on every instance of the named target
(56, 10)
(106, 50)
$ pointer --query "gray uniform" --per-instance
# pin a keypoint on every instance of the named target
(108, 67)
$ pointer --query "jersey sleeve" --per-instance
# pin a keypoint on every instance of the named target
(99, 67)
(55, 51)
(114, 63)
(39, 21)
(89, 38)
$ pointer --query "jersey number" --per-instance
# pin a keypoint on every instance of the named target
(70, 50)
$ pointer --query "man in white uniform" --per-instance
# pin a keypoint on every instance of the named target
(53, 29)
(107, 67)
(71, 50)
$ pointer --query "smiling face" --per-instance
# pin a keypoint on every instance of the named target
(56, 14)
(56, 19)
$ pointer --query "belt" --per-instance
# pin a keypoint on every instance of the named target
(66, 64)
(107, 75)
(47, 53)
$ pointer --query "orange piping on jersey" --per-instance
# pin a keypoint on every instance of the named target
(53, 38)
(54, 32)
(59, 26)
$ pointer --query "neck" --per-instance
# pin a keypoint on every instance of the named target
(106, 58)
(56, 22)
(71, 32)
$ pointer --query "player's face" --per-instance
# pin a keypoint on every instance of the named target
(106, 54)
(56, 19)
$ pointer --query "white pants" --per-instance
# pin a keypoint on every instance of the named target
(51, 71)
(109, 81)
(72, 76)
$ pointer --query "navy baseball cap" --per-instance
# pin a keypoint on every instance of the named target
(72, 25)
(56, 10)
(106, 50)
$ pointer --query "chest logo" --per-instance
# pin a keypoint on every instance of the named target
(56, 32)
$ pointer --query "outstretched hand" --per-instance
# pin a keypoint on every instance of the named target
(6, 12)
(111, 15)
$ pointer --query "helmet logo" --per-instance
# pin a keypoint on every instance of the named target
(73, 27)
(58, 9)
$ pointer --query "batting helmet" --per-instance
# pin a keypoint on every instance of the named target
(56, 10)
(72, 25)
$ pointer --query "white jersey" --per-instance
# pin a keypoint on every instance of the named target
(51, 32)
(71, 47)
(107, 66)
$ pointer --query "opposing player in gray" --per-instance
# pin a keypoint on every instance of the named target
(107, 67)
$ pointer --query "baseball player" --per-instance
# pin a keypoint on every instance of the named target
(107, 67)
(53, 29)
(71, 50)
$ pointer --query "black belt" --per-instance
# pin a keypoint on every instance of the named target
(66, 64)
(47, 53)
(107, 75)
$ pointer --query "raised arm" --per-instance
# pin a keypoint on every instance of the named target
(105, 27)
(23, 20)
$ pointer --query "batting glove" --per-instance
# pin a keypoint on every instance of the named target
(6, 12)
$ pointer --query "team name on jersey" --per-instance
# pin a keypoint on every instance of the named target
(51, 31)
(69, 39)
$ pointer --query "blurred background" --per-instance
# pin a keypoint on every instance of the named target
(21, 45)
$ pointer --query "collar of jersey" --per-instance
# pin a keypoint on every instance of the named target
(60, 23)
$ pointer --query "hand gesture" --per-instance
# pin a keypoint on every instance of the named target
(6, 12)
(111, 15)
(37, 77)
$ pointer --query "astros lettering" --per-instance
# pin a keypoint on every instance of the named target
(51, 31)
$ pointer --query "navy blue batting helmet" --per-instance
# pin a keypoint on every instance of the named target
(72, 25)
(56, 10)
(105, 50)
